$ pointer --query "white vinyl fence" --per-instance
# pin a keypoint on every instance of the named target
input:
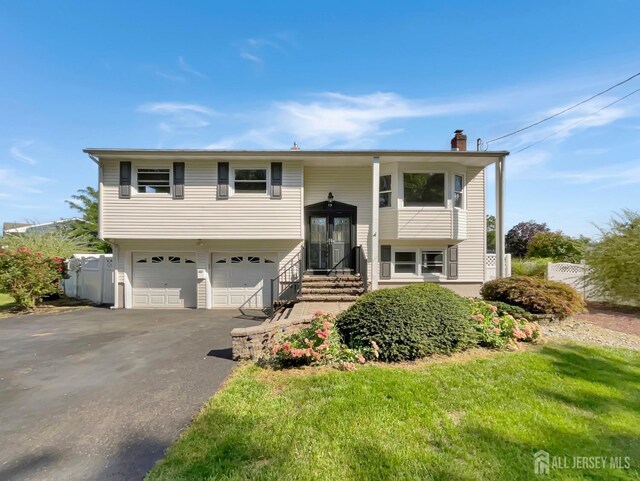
(90, 277)
(490, 267)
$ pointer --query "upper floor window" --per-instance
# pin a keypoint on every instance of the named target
(250, 180)
(421, 189)
(385, 191)
(458, 191)
(154, 181)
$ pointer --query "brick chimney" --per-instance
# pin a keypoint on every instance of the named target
(295, 146)
(459, 141)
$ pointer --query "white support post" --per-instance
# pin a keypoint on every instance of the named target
(500, 270)
(374, 242)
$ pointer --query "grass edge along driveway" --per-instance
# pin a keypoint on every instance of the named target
(470, 417)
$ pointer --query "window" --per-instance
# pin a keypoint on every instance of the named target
(405, 263)
(250, 180)
(433, 262)
(458, 187)
(385, 191)
(424, 190)
(154, 181)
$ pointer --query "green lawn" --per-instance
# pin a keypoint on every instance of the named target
(6, 302)
(473, 417)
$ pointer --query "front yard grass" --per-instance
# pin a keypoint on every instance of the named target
(6, 302)
(472, 417)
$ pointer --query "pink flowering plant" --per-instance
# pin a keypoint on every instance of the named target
(28, 276)
(318, 344)
(501, 331)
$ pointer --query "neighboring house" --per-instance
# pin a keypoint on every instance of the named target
(206, 229)
(15, 228)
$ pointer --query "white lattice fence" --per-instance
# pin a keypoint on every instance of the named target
(490, 266)
(572, 274)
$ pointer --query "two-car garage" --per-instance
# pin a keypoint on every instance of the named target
(170, 279)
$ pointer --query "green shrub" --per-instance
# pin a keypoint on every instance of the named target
(29, 276)
(515, 311)
(614, 261)
(501, 330)
(320, 343)
(557, 246)
(408, 322)
(537, 296)
(532, 267)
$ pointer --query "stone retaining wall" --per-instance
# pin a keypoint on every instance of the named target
(250, 342)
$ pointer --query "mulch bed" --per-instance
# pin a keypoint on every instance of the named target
(624, 319)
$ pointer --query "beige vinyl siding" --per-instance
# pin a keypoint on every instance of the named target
(459, 225)
(472, 251)
(388, 223)
(200, 215)
(424, 223)
(351, 185)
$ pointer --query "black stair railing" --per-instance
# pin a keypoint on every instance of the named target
(287, 285)
(361, 267)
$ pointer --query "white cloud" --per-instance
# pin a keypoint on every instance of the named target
(252, 49)
(170, 76)
(252, 58)
(335, 119)
(179, 116)
(627, 173)
(18, 154)
(185, 67)
(15, 185)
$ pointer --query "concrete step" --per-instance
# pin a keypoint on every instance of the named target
(338, 284)
(352, 291)
(314, 279)
(326, 298)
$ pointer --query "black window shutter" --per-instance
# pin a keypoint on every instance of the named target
(452, 271)
(385, 262)
(223, 180)
(125, 180)
(178, 180)
(276, 180)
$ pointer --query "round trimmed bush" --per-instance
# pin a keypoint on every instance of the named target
(537, 296)
(408, 322)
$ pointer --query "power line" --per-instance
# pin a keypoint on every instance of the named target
(577, 121)
(564, 111)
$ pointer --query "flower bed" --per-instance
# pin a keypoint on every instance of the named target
(501, 331)
(319, 344)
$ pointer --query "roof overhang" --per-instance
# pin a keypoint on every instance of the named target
(309, 157)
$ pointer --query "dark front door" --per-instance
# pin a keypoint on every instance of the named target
(330, 243)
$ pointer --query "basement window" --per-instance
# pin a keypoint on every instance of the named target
(405, 262)
(433, 262)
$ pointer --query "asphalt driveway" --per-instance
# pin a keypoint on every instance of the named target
(100, 394)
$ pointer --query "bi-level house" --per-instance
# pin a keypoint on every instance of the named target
(208, 229)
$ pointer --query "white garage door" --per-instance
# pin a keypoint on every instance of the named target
(164, 279)
(242, 280)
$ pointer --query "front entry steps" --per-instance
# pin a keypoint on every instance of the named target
(340, 288)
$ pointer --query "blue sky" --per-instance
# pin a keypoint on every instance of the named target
(334, 74)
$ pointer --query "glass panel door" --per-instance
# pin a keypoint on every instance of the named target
(340, 243)
(318, 243)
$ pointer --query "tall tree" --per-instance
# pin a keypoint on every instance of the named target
(518, 238)
(86, 202)
(491, 233)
